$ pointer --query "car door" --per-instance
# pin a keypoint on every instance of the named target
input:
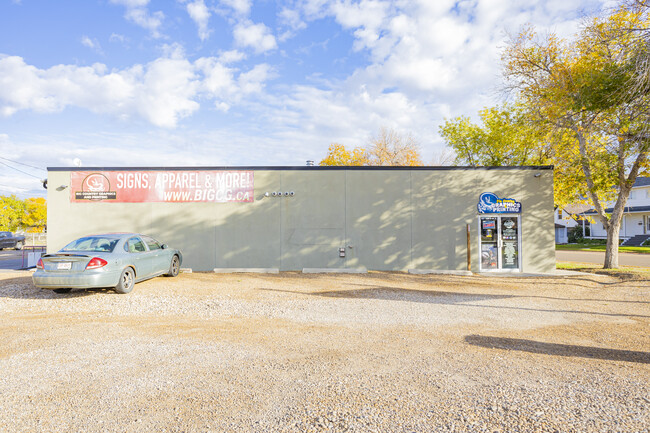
(5, 239)
(139, 256)
(159, 258)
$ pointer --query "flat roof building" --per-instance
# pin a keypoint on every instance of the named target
(292, 218)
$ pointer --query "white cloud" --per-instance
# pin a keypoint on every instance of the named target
(116, 37)
(256, 36)
(242, 7)
(199, 12)
(162, 91)
(93, 44)
(137, 12)
(291, 19)
(231, 56)
(253, 80)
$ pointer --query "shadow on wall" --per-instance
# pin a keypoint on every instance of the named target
(569, 350)
(394, 220)
(187, 230)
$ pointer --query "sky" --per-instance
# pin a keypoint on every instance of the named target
(112, 83)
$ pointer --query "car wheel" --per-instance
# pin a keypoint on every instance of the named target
(127, 281)
(62, 290)
(19, 245)
(174, 267)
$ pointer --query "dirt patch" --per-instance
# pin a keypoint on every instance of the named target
(295, 353)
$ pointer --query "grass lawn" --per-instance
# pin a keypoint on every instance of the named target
(586, 247)
(623, 272)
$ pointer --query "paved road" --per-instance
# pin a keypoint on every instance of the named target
(624, 259)
(10, 259)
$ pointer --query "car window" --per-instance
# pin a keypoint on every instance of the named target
(151, 243)
(4, 234)
(96, 244)
(135, 245)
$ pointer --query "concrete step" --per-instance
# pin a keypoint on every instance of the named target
(636, 241)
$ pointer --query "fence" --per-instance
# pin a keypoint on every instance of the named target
(31, 254)
(35, 239)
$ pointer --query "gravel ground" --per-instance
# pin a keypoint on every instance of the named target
(382, 352)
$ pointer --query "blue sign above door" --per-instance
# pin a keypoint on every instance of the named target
(490, 203)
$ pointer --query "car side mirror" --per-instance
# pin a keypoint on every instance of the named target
(164, 246)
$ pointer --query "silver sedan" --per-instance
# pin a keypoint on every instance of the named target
(116, 260)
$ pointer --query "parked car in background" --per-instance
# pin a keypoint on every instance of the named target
(9, 240)
(113, 260)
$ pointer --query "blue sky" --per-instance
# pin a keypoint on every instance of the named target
(237, 82)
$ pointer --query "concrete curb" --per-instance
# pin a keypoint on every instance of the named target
(559, 273)
(334, 271)
(247, 270)
(440, 272)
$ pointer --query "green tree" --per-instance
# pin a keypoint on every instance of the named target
(593, 93)
(507, 135)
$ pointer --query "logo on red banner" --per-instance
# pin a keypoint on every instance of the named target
(95, 186)
(178, 186)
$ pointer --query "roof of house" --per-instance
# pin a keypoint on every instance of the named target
(641, 181)
(628, 209)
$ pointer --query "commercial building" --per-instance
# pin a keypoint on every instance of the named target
(293, 218)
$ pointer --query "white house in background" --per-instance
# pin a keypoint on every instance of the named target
(566, 219)
(635, 227)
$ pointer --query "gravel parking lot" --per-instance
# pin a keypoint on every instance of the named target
(382, 352)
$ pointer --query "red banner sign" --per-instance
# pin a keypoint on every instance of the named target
(177, 186)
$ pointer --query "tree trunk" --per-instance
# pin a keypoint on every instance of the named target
(611, 250)
(614, 227)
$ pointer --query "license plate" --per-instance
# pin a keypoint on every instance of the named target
(64, 265)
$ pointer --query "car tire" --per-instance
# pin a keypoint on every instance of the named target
(62, 290)
(174, 267)
(127, 281)
(19, 245)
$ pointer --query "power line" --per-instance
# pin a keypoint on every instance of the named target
(22, 163)
(23, 172)
(13, 187)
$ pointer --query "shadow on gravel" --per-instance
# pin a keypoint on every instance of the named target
(400, 294)
(22, 288)
(443, 297)
(568, 350)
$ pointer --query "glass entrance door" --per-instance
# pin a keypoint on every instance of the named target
(500, 242)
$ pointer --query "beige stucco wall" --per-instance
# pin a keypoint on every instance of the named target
(385, 219)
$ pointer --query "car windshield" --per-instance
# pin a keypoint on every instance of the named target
(96, 244)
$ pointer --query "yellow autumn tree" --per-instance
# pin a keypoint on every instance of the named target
(337, 154)
(387, 148)
(35, 214)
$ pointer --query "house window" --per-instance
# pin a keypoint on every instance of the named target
(559, 213)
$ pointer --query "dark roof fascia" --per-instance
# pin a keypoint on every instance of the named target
(306, 168)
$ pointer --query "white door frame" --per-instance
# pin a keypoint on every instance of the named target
(499, 267)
